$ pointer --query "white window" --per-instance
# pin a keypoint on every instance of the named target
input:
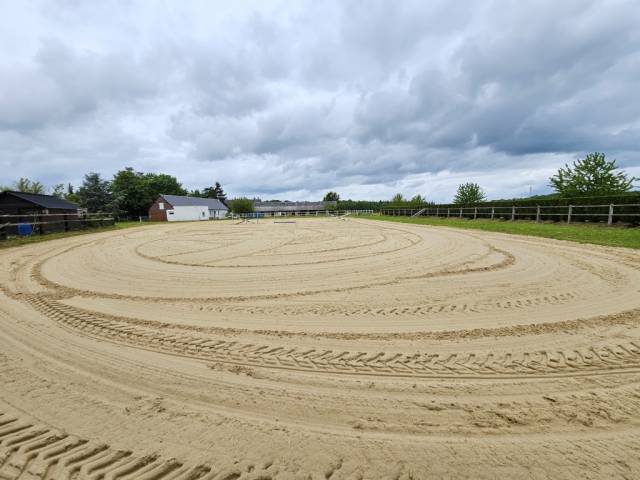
(161, 205)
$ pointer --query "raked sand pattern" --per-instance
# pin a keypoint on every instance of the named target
(320, 349)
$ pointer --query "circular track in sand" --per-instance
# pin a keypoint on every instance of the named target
(276, 350)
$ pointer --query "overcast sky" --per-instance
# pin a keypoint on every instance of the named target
(290, 99)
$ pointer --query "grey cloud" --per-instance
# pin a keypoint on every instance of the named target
(322, 94)
(61, 85)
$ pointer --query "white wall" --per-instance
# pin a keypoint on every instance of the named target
(217, 213)
(183, 214)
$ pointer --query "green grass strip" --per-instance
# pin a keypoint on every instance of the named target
(613, 236)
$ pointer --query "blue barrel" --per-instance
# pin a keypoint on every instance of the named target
(25, 229)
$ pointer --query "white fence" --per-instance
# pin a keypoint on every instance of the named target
(307, 213)
(628, 213)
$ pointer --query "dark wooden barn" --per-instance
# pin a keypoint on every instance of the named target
(25, 213)
(20, 203)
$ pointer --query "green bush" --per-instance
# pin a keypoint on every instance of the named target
(241, 205)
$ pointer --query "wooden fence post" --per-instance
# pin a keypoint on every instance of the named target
(475, 213)
(460, 212)
(448, 212)
(493, 212)
(610, 217)
(569, 213)
(513, 213)
(538, 214)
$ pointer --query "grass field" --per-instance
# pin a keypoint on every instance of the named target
(595, 234)
(15, 242)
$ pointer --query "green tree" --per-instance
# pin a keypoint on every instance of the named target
(593, 175)
(58, 190)
(136, 191)
(331, 197)
(28, 186)
(241, 205)
(214, 192)
(418, 200)
(95, 194)
(130, 190)
(397, 198)
(161, 183)
(71, 195)
(469, 194)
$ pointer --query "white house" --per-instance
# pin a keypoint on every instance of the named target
(176, 208)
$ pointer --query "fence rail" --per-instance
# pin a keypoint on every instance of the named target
(612, 213)
(306, 213)
(44, 223)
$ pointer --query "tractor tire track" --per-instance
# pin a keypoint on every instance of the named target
(620, 357)
(30, 450)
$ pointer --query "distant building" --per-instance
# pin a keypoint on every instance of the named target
(287, 206)
(176, 208)
(21, 203)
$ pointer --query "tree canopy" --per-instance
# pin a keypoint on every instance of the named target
(135, 191)
(241, 205)
(469, 194)
(215, 192)
(27, 186)
(129, 190)
(418, 199)
(58, 190)
(161, 183)
(397, 198)
(71, 195)
(331, 197)
(593, 175)
(95, 194)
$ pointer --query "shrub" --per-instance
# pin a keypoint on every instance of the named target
(241, 205)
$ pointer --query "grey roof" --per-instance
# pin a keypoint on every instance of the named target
(291, 206)
(184, 201)
(44, 201)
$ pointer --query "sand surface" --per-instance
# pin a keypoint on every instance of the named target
(320, 349)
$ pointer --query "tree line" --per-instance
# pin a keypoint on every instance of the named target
(129, 193)
(593, 175)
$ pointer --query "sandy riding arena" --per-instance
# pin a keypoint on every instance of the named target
(318, 349)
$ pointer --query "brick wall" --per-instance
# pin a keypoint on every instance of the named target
(156, 214)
